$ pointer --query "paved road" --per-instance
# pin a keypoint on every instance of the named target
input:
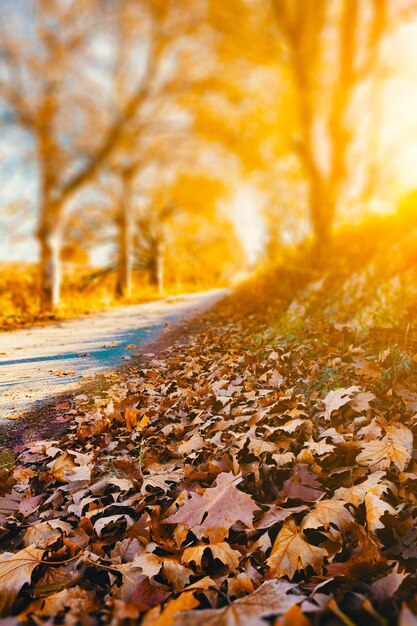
(40, 362)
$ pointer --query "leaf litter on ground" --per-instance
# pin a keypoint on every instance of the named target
(224, 481)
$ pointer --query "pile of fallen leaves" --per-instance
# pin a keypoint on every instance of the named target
(239, 477)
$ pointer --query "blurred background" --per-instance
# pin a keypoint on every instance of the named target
(166, 146)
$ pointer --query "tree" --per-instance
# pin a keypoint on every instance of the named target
(162, 124)
(325, 85)
(74, 118)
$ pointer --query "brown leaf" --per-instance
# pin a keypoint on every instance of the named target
(380, 454)
(42, 534)
(338, 398)
(222, 551)
(131, 418)
(176, 574)
(327, 512)
(375, 509)
(223, 505)
(303, 485)
(75, 598)
(15, 571)
(171, 610)
(271, 598)
(386, 587)
(361, 401)
(291, 552)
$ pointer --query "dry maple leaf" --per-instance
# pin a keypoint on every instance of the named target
(319, 448)
(379, 455)
(368, 369)
(196, 442)
(338, 398)
(176, 574)
(54, 579)
(400, 435)
(131, 418)
(42, 534)
(271, 598)
(384, 588)
(220, 506)
(221, 550)
(155, 617)
(283, 459)
(162, 478)
(71, 467)
(75, 598)
(131, 577)
(15, 571)
(375, 508)
(360, 402)
(61, 466)
(29, 504)
(9, 504)
(303, 484)
(103, 522)
(327, 512)
(291, 552)
(356, 494)
(362, 551)
(149, 564)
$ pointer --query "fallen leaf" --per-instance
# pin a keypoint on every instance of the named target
(326, 512)
(271, 598)
(16, 571)
(220, 506)
(171, 611)
(338, 398)
(222, 551)
(291, 552)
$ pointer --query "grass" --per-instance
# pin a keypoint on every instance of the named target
(81, 294)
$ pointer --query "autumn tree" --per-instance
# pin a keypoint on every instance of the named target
(204, 117)
(57, 83)
(329, 61)
(161, 127)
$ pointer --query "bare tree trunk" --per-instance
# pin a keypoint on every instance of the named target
(156, 269)
(124, 264)
(322, 223)
(50, 269)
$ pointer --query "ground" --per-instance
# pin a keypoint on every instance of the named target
(40, 362)
(259, 468)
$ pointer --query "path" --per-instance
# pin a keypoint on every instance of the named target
(43, 361)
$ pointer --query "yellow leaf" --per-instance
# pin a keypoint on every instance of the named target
(221, 551)
(380, 454)
(375, 508)
(144, 421)
(326, 512)
(15, 571)
(291, 552)
(59, 467)
(185, 602)
(131, 418)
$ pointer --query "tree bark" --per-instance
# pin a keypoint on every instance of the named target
(124, 264)
(322, 229)
(50, 269)
(156, 270)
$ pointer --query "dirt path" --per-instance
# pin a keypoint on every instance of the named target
(44, 361)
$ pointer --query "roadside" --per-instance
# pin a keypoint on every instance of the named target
(262, 463)
(40, 362)
(142, 332)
